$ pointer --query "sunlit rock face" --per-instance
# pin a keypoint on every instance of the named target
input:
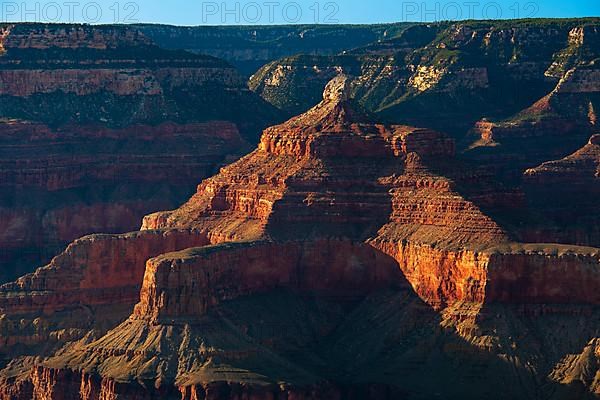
(99, 126)
(343, 258)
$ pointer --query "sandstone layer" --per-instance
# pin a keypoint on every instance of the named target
(554, 186)
(342, 259)
(99, 126)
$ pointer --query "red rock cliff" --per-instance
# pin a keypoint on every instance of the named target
(100, 127)
(350, 267)
(189, 283)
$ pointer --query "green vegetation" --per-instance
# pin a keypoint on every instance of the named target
(474, 69)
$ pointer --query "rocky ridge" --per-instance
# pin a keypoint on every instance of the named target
(90, 118)
(554, 186)
(352, 242)
(510, 84)
(251, 47)
(403, 78)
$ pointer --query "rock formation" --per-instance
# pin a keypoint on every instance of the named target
(578, 168)
(351, 255)
(319, 170)
(554, 186)
(491, 69)
(91, 285)
(249, 48)
(99, 126)
(342, 259)
(564, 118)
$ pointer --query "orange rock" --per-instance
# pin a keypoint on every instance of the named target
(333, 205)
(188, 283)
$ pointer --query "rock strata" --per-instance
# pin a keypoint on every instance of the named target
(99, 126)
(343, 257)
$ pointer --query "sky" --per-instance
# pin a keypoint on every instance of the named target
(231, 12)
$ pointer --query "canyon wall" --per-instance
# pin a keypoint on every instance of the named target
(334, 268)
(511, 274)
(490, 68)
(60, 184)
(121, 82)
(249, 48)
(343, 258)
(71, 36)
(94, 270)
(79, 296)
(197, 297)
(99, 127)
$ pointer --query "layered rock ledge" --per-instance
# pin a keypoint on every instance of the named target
(331, 272)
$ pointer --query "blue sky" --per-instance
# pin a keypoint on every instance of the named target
(200, 12)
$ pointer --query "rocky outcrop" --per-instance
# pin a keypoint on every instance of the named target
(554, 186)
(578, 168)
(94, 270)
(512, 147)
(428, 77)
(581, 369)
(330, 267)
(584, 42)
(95, 282)
(99, 127)
(364, 257)
(494, 133)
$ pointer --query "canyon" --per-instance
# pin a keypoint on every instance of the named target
(250, 47)
(343, 258)
(390, 240)
(89, 119)
(490, 69)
